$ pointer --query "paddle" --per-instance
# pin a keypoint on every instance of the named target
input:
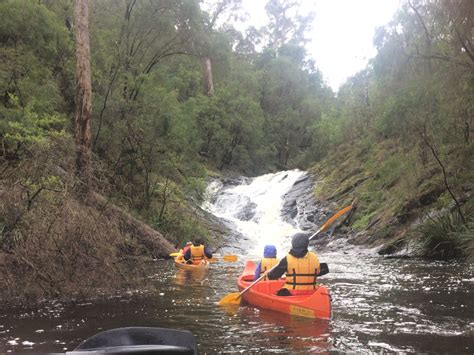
(234, 298)
(331, 220)
(229, 258)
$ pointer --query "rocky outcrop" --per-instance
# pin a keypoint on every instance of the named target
(301, 208)
(248, 212)
(235, 181)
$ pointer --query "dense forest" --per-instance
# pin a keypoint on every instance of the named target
(179, 95)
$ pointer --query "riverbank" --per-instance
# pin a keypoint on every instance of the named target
(55, 244)
(403, 206)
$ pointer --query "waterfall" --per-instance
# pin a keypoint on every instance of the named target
(254, 208)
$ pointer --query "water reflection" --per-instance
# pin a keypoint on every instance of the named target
(298, 334)
(190, 278)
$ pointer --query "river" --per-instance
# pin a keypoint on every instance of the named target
(379, 304)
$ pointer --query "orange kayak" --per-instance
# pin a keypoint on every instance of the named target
(196, 265)
(263, 295)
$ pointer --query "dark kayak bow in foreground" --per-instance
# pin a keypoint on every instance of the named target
(139, 340)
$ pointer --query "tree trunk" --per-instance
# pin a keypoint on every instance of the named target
(207, 69)
(83, 99)
(445, 177)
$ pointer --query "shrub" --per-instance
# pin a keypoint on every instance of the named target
(447, 237)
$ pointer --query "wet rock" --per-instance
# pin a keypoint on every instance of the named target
(247, 212)
(300, 206)
(232, 242)
(216, 227)
(290, 209)
(236, 180)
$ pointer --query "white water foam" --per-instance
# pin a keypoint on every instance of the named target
(264, 194)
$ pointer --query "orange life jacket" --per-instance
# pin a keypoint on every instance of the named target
(267, 264)
(301, 273)
(197, 253)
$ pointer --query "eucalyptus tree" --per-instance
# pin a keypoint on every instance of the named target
(206, 29)
(231, 123)
(83, 94)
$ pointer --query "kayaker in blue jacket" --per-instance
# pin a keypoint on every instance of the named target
(268, 261)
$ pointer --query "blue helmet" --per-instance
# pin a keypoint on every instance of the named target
(269, 251)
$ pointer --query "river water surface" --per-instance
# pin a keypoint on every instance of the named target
(379, 304)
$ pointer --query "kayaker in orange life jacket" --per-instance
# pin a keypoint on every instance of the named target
(184, 250)
(187, 247)
(301, 267)
(197, 251)
(268, 261)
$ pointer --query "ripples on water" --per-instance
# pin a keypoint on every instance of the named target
(379, 305)
(401, 304)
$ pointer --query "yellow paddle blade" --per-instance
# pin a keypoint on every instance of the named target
(174, 255)
(230, 257)
(231, 298)
(333, 218)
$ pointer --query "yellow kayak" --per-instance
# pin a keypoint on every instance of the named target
(196, 265)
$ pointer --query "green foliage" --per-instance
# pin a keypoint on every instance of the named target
(180, 226)
(400, 131)
(33, 26)
(466, 239)
(35, 46)
(25, 126)
(362, 222)
(447, 236)
(231, 126)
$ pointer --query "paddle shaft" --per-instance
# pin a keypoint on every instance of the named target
(255, 282)
(224, 257)
(315, 234)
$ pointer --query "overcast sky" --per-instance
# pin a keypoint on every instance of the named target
(341, 38)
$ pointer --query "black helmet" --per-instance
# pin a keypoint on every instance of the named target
(299, 244)
(198, 242)
(299, 240)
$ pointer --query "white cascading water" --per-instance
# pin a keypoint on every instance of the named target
(264, 195)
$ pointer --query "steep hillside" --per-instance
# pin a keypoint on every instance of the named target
(398, 197)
